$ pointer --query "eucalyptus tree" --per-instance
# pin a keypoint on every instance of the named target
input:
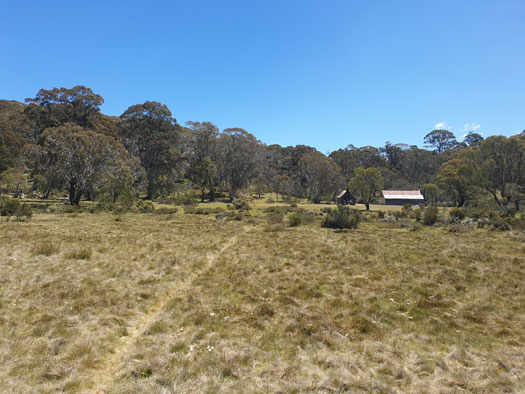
(202, 157)
(151, 133)
(365, 183)
(321, 174)
(81, 160)
(58, 106)
(237, 158)
(441, 140)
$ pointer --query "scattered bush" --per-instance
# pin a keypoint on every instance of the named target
(418, 213)
(44, 249)
(272, 228)
(299, 217)
(400, 214)
(23, 212)
(415, 226)
(380, 215)
(241, 204)
(294, 219)
(278, 210)
(182, 198)
(8, 206)
(229, 216)
(12, 207)
(456, 215)
(407, 209)
(196, 210)
(166, 211)
(341, 217)
(275, 218)
(144, 206)
(208, 211)
(189, 209)
(430, 215)
(458, 228)
(81, 254)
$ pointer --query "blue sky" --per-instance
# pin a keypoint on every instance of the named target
(321, 73)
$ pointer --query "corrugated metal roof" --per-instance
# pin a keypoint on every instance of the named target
(403, 194)
(341, 194)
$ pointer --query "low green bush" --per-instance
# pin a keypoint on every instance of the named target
(341, 217)
(241, 204)
(8, 206)
(294, 219)
(300, 216)
(456, 215)
(23, 212)
(11, 207)
(189, 197)
(166, 211)
(430, 215)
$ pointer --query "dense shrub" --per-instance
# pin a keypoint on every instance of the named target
(400, 214)
(241, 204)
(430, 215)
(456, 215)
(407, 209)
(8, 206)
(341, 217)
(182, 198)
(23, 212)
(418, 213)
(166, 211)
(196, 210)
(144, 206)
(230, 216)
(299, 217)
(12, 207)
(81, 254)
(44, 249)
(275, 218)
(278, 210)
(499, 223)
(295, 219)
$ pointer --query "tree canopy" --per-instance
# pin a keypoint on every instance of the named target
(60, 142)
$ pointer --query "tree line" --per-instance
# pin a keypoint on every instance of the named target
(59, 142)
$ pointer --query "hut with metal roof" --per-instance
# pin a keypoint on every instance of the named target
(345, 198)
(403, 197)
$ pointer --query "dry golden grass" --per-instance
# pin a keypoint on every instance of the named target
(187, 303)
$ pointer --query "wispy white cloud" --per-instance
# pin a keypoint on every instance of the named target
(471, 127)
(442, 126)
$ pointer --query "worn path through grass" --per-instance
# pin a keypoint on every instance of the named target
(109, 370)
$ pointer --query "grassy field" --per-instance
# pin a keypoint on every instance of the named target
(181, 303)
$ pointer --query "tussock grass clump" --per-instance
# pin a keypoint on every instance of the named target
(80, 254)
(44, 249)
(341, 218)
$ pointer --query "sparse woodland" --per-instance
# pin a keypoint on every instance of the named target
(59, 143)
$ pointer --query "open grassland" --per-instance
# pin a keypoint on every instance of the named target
(187, 303)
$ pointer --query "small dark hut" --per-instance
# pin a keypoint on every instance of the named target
(403, 197)
(345, 198)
